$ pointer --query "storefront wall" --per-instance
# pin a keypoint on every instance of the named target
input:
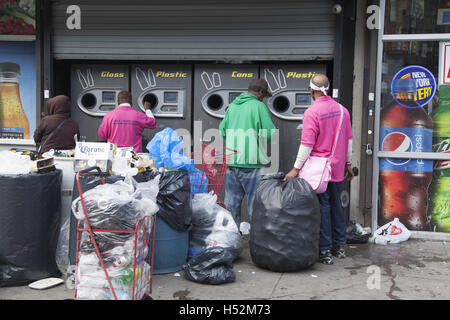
(411, 176)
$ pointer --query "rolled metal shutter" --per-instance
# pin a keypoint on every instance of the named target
(225, 30)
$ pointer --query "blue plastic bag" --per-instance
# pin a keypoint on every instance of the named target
(166, 150)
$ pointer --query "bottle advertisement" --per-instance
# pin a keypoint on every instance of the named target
(17, 90)
(416, 191)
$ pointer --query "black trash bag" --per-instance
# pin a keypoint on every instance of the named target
(353, 236)
(29, 229)
(212, 266)
(174, 197)
(284, 236)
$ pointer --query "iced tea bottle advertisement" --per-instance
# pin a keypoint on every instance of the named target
(17, 91)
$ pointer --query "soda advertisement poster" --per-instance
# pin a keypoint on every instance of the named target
(18, 17)
(406, 127)
(17, 90)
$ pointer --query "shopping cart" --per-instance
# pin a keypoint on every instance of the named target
(210, 169)
(132, 280)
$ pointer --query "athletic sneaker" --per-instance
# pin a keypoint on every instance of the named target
(338, 252)
(325, 257)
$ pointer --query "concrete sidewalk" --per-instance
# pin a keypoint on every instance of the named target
(414, 269)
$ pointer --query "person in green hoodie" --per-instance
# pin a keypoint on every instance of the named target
(247, 127)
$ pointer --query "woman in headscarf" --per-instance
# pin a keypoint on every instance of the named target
(56, 130)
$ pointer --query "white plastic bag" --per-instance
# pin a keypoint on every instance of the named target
(392, 232)
(213, 226)
(14, 163)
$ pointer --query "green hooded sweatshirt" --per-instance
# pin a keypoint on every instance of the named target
(247, 128)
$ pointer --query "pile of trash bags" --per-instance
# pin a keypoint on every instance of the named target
(284, 236)
(215, 242)
(117, 206)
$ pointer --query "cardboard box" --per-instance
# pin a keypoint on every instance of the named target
(91, 154)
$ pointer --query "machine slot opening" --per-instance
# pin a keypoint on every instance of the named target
(152, 99)
(281, 104)
(89, 101)
(215, 102)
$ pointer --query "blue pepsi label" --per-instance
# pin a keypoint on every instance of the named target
(406, 140)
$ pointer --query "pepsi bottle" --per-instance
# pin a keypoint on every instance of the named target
(405, 127)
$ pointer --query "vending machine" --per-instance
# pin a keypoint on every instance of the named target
(289, 84)
(215, 88)
(94, 90)
(167, 87)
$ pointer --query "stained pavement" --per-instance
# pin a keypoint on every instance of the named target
(415, 269)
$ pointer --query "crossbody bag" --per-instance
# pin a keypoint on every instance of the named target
(317, 170)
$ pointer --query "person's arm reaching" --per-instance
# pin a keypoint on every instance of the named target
(150, 121)
(267, 127)
(348, 164)
(302, 156)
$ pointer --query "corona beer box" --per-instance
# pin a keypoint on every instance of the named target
(91, 154)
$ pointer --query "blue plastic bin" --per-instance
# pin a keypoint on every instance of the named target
(171, 248)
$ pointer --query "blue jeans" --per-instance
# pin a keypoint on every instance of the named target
(333, 228)
(238, 183)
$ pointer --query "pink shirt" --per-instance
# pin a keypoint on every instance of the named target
(320, 122)
(124, 126)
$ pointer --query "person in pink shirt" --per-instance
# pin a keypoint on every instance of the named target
(124, 126)
(320, 123)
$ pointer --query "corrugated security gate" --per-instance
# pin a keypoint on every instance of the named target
(226, 30)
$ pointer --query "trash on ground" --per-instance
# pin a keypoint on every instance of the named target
(357, 234)
(45, 283)
(392, 232)
(212, 266)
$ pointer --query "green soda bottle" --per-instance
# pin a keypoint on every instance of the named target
(440, 189)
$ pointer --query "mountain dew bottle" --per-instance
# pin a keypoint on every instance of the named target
(440, 188)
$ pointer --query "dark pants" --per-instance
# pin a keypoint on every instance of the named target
(333, 226)
(238, 183)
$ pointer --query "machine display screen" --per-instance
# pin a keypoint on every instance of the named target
(170, 97)
(302, 99)
(234, 95)
(108, 96)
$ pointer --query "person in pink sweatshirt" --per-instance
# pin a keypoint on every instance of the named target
(124, 126)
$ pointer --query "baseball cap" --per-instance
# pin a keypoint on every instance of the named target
(260, 85)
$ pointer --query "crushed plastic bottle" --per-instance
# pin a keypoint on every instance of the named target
(245, 228)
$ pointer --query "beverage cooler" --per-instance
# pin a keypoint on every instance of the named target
(167, 87)
(94, 90)
(289, 84)
(215, 87)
